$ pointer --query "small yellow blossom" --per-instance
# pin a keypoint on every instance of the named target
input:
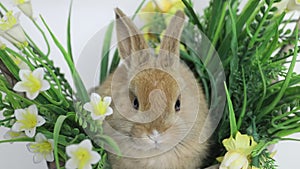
(27, 120)
(164, 6)
(32, 82)
(98, 107)
(42, 149)
(81, 155)
(19, 62)
(238, 151)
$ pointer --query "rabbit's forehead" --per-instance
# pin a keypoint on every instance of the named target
(149, 80)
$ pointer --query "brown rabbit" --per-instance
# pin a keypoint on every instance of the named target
(159, 107)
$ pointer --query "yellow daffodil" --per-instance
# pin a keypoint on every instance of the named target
(238, 152)
(32, 82)
(98, 107)
(25, 6)
(27, 120)
(81, 155)
(42, 149)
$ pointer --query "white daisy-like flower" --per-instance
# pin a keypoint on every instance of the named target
(25, 6)
(81, 156)
(98, 107)
(27, 120)
(32, 82)
(42, 148)
(11, 30)
(10, 134)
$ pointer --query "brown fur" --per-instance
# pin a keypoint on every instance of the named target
(157, 82)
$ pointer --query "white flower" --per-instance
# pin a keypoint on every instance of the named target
(234, 160)
(27, 120)
(32, 83)
(81, 155)
(25, 6)
(10, 134)
(288, 5)
(42, 148)
(11, 30)
(98, 107)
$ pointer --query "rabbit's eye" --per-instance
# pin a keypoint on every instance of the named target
(135, 103)
(177, 105)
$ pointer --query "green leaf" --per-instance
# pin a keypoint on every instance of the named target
(285, 84)
(58, 124)
(115, 62)
(24, 139)
(69, 42)
(110, 142)
(232, 120)
(105, 52)
(193, 14)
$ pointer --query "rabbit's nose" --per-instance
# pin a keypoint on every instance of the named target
(154, 135)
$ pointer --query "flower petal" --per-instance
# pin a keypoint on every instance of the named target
(95, 98)
(107, 100)
(109, 111)
(33, 109)
(20, 87)
(30, 132)
(23, 73)
(37, 158)
(17, 127)
(29, 147)
(86, 144)
(95, 157)
(87, 166)
(39, 73)
(32, 96)
(45, 85)
(71, 164)
(70, 149)
(40, 121)
(88, 107)
(40, 137)
(97, 117)
(50, 157)
(19, 114)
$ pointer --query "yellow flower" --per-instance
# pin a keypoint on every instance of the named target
(42, 148)
(238, 152)
(27, 120)
(8, 22)
(164, 6)
(98, 107)
(32, 82)
(81, 155)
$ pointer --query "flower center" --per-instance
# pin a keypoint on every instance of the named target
(7, 22)
(29, 121)
(100, 108)
(44, 147)
(298, 2)
(33, 84)
(83, 156)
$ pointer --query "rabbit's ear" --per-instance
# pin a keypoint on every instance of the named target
(130, 40)
(171, 39)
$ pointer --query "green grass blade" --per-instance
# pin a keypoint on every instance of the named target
(58, 124)
(105, 52)
(138, 9)
(193, 14)
(285, 84)
(232, 119)
(115, 62)
(69, 42)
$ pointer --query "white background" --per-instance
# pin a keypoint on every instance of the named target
(89, 16)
